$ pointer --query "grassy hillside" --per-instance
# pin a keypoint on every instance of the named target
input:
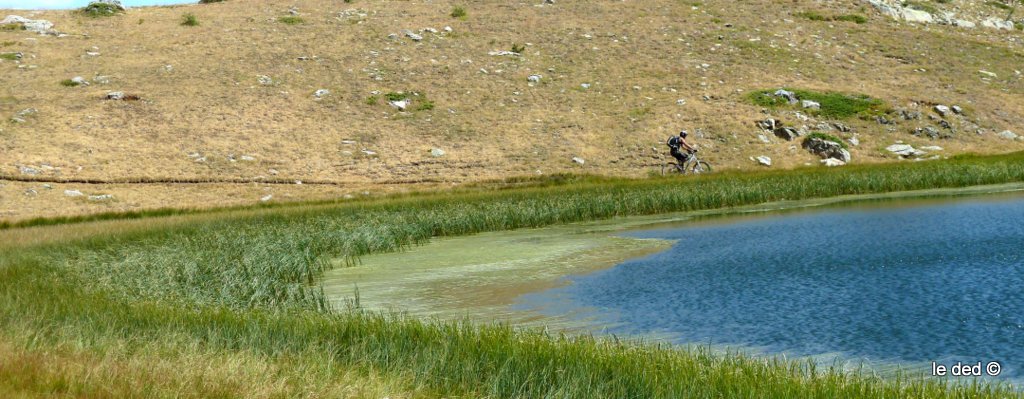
(231, 96)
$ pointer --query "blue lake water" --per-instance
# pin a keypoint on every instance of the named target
(904, 285)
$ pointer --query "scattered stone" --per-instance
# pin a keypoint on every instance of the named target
(436, 152)
(945, 124)
(369, 152)
(504, 53)
(115, 95)
(265, 80)
(28, 170)
(963, 23)
(101, 79)
(912, 15)
(826, 149)
(681, 101)
(400, 104)
(957, 110)
(788, 95)
(1006, 134)
(909, 115)
(810, 104)
(321, 93)
(80, 81)
(101, 197)
(431, 30)
(247, 158)
(787, 133)
(830, 162)
(932, 132)
(768, 124)
(448, 29)
(996, 23)
(411, 35)
(942, 110)
(763, 138)
(904, 150)
(585, 86)
(854, 141)
(932, 148)
(841, 127)
(987, 73)
(267, 197)
(534, 78)
(73, 193)
(578, 160)
(764, 160)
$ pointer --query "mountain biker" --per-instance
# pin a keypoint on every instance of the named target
(675, 142)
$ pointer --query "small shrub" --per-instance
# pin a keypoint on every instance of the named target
(518, 49)
(8, 43)
(69, 83)
(291, 20)
(9, 56)
(459, 12)
(425, 105)
(827, 137)
(189, 19)
(813, 16)
(14, 26)
(372, 100)
(100, 10)
(393, 96)
(1019, 25)
(858, 19)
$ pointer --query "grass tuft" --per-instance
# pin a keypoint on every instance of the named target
(100, 10)
(291, 20)
(458, 12)
(833, 104)
(69, 83)
(189, 19)
(12, 27)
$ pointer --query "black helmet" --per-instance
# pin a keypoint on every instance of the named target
(683, 134)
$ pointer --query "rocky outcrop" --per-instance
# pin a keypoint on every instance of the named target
(827, 149)
(40, 26)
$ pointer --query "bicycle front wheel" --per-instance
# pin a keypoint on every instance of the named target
(701, 167)
(670, 168)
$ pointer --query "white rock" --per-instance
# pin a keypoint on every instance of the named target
(436, 152)
(40, 26)
(321, 93)
(932, 148)
(504, 53)
(854, 141)
(810, 104)
(115, 95)
(369, 152)
(942, 110)
(996, 23)
(102, 197)
(400, 104)
(764, 160)
(987, 73)
(681, 101)
(73, 193)
(585, 86)
(448, 29)
(904, 150)
(534, 78)
(832, 162)
(265, 80)
(1006, 134)
(431, 30)
(963, 23)
(411, 35)
(578, 160)
(247, 158)
(267, 197)
(912, 15)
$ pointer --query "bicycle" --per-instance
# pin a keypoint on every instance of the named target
(692, 165)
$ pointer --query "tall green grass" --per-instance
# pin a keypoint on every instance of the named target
(249, 283)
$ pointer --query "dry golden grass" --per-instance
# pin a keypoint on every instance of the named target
(210, 102)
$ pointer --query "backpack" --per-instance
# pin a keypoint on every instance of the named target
(673, 142)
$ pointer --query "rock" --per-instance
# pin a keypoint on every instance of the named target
(963, 23)
(267, 197)
(400, 104)
(80, 81)
(411, 35)
(764, 139)
(788, 95)
(1006, 134)
(945, 124)
(768, 124)
(996, 23)
(987, 73)
(918, 16)
(585, 86)
(504, 53)
(886, 9)
(436, 152)
(40, 26)
(578, 160)
(763, 160)
(932, 148)
(830, 162)
(841, 127)
(28, 170)
(909, 115)
(681, 101)
(810, 104)
(265, 80)
(448, 29)
(786, 133)
(826, 149)
(369, 152)
(942, 110)
(73, 193)
(247, 158)
(321, 93)
(534, 78)
(882, 120)
(957, 110)
(904, 150)
(430, 30)
(102, 197)
(932, 132)
(115, 95)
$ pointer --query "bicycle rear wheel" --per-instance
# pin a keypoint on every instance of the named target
(670, 167)
(701, 167)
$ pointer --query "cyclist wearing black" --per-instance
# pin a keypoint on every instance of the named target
(677, 142)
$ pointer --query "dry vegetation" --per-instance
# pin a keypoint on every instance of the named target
(200, 92)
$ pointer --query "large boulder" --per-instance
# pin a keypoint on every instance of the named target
(787, 133)
(826, 149)
(996, 23)
(33, 25)
(912, 15)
